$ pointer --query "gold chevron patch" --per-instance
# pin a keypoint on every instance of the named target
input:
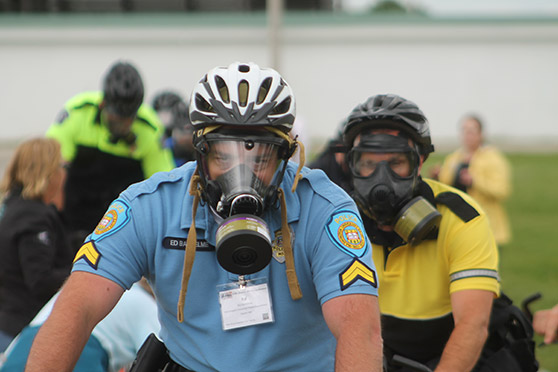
(89, 253)
(357, 271)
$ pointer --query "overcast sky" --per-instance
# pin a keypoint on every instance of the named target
(470, 7)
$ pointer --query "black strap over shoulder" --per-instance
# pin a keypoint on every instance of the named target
(457, 205)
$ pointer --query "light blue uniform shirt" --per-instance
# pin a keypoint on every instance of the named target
(144, 233)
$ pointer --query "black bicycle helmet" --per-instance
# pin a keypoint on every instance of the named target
(389, 111)
(243, 94)
(123, 89)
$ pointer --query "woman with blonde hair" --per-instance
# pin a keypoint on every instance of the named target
(36, 256)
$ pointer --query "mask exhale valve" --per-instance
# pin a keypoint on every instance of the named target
(243, 244)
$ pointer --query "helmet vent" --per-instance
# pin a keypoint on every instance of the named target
(244, 68)
(243, 90)
(282, 108)
(202, 104)
(223, 90)
(264, 90)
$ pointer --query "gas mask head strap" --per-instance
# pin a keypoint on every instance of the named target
(190, 250)
(383, 142)
(299, 145)
(292, 279)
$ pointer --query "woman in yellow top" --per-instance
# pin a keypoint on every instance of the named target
(483, 172)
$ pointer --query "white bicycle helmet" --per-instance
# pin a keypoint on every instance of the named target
(243, 94)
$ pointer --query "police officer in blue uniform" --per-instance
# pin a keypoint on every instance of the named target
(257, 263)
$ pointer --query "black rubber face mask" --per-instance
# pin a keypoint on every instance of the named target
(378, 189)
(383, 194)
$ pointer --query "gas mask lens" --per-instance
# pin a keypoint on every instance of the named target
(242, 172)
(364, 163)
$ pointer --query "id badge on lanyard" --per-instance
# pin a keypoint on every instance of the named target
(245, 303)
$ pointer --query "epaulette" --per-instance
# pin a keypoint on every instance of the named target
(151, 184)
(153, 126)
(457, 205)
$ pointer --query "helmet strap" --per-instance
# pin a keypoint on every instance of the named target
(190, 250)
(301, 153)
(290, 270)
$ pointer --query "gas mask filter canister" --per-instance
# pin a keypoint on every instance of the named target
(243, 244)
(416, 220)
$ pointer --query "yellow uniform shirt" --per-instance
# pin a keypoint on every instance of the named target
(416, 281)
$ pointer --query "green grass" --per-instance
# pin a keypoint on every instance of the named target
(529, 263)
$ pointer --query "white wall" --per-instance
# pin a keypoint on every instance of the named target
(506, 71)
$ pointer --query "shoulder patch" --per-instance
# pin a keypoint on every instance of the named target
(62, 115)
(344, 228)
(90, 254)
(114, 219)
(357, 271)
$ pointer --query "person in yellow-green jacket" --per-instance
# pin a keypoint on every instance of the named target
(110, 140)
(483, 172)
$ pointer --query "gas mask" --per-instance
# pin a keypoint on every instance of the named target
(385, 175)
(240, 177)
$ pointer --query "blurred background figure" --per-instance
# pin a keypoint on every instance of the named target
(332, 161)
(36, 256)
(111, 140)
(172, 109)
(114, 342)
(483, 172)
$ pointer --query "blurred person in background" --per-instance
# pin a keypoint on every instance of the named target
(111, 140)
(483, 172)
(172, 109)
(113, 343)
(36, 255)
(332, 161)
